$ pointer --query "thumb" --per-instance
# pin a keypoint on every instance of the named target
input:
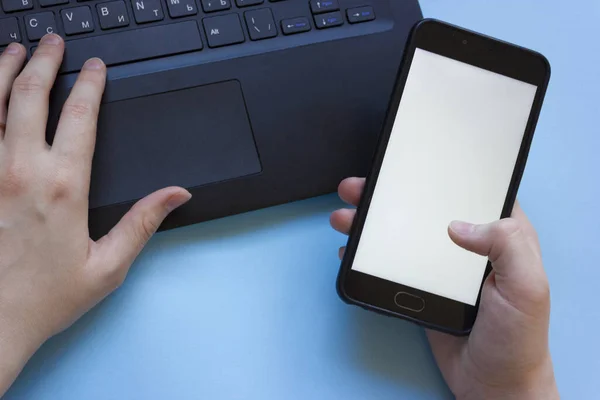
(516, 261)
(119, 248)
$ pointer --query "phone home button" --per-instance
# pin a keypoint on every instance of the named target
(409, 301)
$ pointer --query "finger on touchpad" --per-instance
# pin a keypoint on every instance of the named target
(188, 137)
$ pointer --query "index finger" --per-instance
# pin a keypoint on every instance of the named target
(350, 190)
(75, 136)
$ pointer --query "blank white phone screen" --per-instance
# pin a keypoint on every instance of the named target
(450, 156)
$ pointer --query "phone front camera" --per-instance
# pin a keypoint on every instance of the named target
(465, 41)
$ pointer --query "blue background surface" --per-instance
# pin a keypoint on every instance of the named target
(245, 307)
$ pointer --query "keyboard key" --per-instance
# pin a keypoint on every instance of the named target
(295, 25)
(329, 20)
(215, 5)
(37, 25)
(321, 6)
(48, 3)
(360, 14)
(260, 24)
(223, 30)
(147, 11)
(244, 3)
(9, 31)
(181, 8)
(133, 45)
(112, 15)
(77, 20)
(16, 5)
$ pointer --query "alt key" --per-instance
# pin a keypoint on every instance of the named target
(295, 25)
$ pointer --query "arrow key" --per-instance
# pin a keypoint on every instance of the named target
(321, 6)
(295, 25)
(360, 14)
(329, 20)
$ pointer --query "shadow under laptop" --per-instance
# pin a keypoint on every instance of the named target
(250, 222)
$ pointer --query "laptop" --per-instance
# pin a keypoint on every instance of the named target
(246, 103)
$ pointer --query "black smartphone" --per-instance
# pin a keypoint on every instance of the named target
(453, 147)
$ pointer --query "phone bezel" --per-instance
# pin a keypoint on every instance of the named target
(378, 294)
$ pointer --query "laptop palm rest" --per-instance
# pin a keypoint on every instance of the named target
(189, 137)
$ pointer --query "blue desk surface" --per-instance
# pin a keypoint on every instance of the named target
(245, 307)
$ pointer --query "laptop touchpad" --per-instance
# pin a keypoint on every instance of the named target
(188, 137)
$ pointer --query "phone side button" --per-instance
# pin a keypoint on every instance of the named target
(409, 301)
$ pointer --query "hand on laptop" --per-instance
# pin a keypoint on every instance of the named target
(51, 272)
(506, 356)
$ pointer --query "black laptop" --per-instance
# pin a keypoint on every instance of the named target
(247, 103)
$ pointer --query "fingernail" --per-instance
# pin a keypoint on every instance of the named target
(462, 228)
(93, 63)
(51, 39)
(177, 200)
(13, 48)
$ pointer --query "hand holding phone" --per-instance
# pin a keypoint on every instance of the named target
(454, 146)
(506, 356)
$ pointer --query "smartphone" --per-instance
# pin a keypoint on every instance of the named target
(453, 147)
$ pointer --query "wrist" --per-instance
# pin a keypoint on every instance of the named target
(537, 384)
(17, 345)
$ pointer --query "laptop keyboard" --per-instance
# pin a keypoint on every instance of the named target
(122, 31)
